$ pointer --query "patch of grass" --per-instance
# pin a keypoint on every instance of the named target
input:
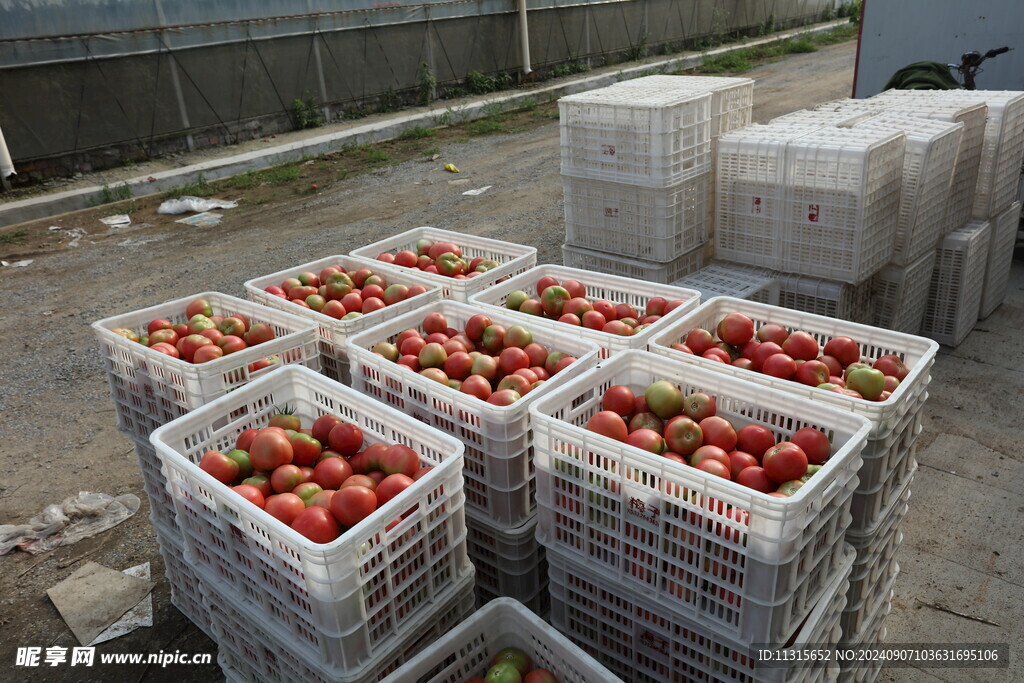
(837, 35)
(270, 176)
(109, 195)
(130, 209)
(743, 60)
(732, 62)
(306, 113)
(375, 155)
(528, 104)
(417, 133)
(13, 237)
(800, 46)
(486, 126)
(431, 152)
(198, 188)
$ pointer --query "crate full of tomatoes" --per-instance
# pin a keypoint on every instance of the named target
(337, 519)
(721, 498)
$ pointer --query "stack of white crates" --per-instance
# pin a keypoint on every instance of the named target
(974, 259)
(814, 200)
(636, 172)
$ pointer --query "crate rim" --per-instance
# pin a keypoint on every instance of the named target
(860, 432)
(391, 509)
(101, 327)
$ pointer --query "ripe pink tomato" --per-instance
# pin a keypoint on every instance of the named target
(251, 494)
(219, 466)
(739, 461)
(391, 486)
(346, 438)
(843, 349)
(270, 449)
(331, 473)
(619, 399)
(785, 462)
(814, 444)
(736, 329)
(285, 478)
(756, 478)
(800, 346)
(317, 524)
(718, 432)
(715, 467)
(610, 424)
(779, 365)
(352, 504)
(754, 439)
(285, 507)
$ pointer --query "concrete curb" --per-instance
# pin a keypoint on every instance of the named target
(43, 206)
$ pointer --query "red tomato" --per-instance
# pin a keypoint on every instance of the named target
(360, 480)
(843, 349)
(331, 473)
(305, 449)
(736, 329)
(755, 478)
(715, 467)
(718, 432)
(261, 484)
(166, 349)
(285, 478)
(476, 385)
(770, 332)
(784, 462)
(718, 354)
(392, 485)
(800, 346)
(619, 399)
(610, 424)
(683, 435)
(710, 453)
(647, 440)
(812, 373)
(892, 365)
(833, 364)
(204, 354)
(285, 507)
(779, 365)
(317, 524)
(400, 459)
(323, 425)
(346, 438)
(270, 449)
(219, 466)
(699, 341)
(754, 439)
(764, 351)
(739, 461)
(540, 676)
(814, 444)
(251, 494)
(352, 504)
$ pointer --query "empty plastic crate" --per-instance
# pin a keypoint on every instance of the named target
(748, 564)
(341, 602)
(736, 280)
(917, 353)
(646, 641)
(844, 117)
(637, 269)
(509, 563)
(498, 466)
(900, 294)
(750, 188)
(512, 258)
(599, 286)
(928, 162)
(841, 204)
(825, 297)
(656, 224)
(954, 298)
(150, 388)
(1000, 259)
(467, 650)
(254, 650)
(334, 332)
(1002, 148)
(637, 136)
(732, 99)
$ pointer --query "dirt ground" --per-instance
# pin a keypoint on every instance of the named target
(60, 435)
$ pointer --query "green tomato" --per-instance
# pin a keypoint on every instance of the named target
(504, 672)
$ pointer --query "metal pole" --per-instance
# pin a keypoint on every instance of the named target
(524, 37)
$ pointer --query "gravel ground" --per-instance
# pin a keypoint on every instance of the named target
(60, 436)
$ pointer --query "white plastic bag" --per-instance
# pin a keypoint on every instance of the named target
(78, 517)
(194, 204)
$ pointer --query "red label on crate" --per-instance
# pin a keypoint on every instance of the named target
(653, 642)
(645, 511)
(755, 205)
(611, 213)
(813, 212)
(608, 149)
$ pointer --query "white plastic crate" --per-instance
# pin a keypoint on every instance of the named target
(721, 278)
(513, 258)
(954, 297)
(749, 564)
(254, 650)
(340, 602)
(900, 294)
(855, 618)
(161, 504)
(877, 548)
(637, 136)
(869, 505)
(928, 162)
(637, 269)
(150, 388)
(732, 99)
(656, 224)
(1000, 259)
(186, 593)
(844, 117)
(1002, 148)
(467, 650)
(916, 352)
(825, 297)
(885, 458)
(599, 286)
(749, 192)
(644, 640)
(841, 204)
(498, 467)
(334, 332)
(509, 563)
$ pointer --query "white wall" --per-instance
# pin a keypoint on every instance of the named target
(898, 32)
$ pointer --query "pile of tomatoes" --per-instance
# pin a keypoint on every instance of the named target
(321, 480)
(204, 337)
(484, 360)
(687, 430)
(568, 303)
(442, 258)
(342, 295)
(796, 356)
(512, 665)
